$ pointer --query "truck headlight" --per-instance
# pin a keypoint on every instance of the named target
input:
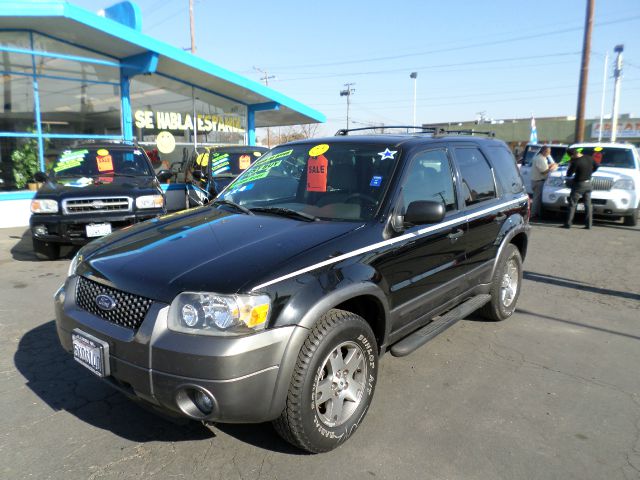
(624, 184)
(39, 205)
(150, 201)
(204, 313)
(555, 182)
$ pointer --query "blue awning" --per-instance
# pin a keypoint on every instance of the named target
(122, 39)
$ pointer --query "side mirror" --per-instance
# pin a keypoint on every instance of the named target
(422, 212)
(40, 177)
(164, 175)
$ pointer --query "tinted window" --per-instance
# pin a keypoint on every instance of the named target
(504, 165)
(92, 161)
(429, 178)
(477, 179)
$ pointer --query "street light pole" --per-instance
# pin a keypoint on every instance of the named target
(192, 27)
(604, 90)
(617, 73)
(265, 78)
(414, 75)
(347, 92)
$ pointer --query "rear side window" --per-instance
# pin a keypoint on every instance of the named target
(477, 179)
(507, 173)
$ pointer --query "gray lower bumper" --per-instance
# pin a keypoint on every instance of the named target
(246, 378)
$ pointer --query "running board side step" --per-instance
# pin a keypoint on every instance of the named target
(438, 325)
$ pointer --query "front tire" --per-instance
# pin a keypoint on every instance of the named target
(505, 285)
(332, 384)
(46, 250)
(632, 220)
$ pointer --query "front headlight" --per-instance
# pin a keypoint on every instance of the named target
(73, 266)
(555, 181)
(44, 206)
(150, 201)
(203, 313)
(624, 184)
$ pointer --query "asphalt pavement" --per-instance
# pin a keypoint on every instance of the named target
(551, 393)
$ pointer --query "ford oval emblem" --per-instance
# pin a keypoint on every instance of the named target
(105, 302)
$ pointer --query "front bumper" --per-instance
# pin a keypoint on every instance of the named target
(71, 229)
(246, 378)
(613, 203)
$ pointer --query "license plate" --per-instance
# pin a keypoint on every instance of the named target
(98, 229)
(91, 353)
(580, 207)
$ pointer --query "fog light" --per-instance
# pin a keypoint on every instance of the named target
(625, 201)
(552, 197)
(203, 402)
(190, 315)
(40, 230)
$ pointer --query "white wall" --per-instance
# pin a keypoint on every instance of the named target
(15, 213)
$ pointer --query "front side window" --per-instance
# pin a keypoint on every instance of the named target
(477, 179)
(100, 161)
(429, 178)
(339, 181)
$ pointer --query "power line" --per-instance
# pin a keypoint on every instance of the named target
(463, 47)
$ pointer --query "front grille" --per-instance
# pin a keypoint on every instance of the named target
(129, 310)
(601, 183)
(97, 205)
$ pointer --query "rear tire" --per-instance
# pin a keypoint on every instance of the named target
(335, 375)
(505, 286)
(46, 250)
(632, 220)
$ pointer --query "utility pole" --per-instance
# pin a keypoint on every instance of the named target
(347, 92)
(414, 75)
(617, 74)
(584, 71)
(265, 78)
(193, 27)
(604, 90)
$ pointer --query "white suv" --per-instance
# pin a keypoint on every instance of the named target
(616, 183)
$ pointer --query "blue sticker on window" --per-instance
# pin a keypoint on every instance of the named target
(376, 181)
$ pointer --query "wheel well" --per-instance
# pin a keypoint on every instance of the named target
(520, 241)
(369, 308)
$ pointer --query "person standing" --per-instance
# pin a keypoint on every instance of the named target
(540, 169)
(581, 167)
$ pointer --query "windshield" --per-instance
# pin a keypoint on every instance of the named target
(227, 163)
(90, 161)
(557, 153)
(610, 157)
(340, 181)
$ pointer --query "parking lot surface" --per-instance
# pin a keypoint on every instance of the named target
(551, 393)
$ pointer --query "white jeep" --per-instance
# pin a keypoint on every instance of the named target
(616, 183)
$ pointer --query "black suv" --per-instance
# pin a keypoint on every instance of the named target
(90, 190)
(275, 301)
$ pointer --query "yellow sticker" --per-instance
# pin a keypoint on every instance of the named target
(597, 149)
(318, 150)
(257, 154)
(102, 152)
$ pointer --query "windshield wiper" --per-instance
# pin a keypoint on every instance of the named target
(234, 205)
(286, 212)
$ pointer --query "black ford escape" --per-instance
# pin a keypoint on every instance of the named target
(276, 301)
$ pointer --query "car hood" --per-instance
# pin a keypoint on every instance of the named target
(98, 186)
(203, 249)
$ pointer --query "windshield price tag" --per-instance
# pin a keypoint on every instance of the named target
(105, 164)
(317, 174)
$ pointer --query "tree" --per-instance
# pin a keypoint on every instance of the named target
(289, 134)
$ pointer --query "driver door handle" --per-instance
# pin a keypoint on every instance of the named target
(453, 236)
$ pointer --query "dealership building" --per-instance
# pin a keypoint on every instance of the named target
(70, 75)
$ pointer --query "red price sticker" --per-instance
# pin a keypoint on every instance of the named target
(317, 174)
(105, 163)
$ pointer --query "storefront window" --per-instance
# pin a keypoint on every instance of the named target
(221, 121)
(73, 107)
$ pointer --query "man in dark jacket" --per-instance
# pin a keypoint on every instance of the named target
(581, 167)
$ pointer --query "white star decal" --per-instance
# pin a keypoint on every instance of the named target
(387, 154)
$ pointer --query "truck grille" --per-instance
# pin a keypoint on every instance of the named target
(128, 311)
(601, 183)
(97, 205)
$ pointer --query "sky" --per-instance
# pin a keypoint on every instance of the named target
(504, 58)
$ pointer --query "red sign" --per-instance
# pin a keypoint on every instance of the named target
(317, 174)
(105, 163)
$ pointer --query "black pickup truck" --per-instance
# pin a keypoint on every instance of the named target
(91, 190)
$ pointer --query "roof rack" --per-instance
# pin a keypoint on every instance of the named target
(345, 131)
(436, 131)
